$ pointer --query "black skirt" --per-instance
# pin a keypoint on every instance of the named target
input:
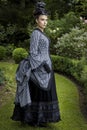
(44, 107)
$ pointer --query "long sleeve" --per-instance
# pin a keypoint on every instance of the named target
(35, 57)
(39, 59)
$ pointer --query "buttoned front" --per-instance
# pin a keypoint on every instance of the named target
(39, 49)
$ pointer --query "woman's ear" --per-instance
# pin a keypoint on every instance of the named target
(36, 21)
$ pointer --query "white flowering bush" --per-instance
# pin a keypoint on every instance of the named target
(73, 44)
(57, 28)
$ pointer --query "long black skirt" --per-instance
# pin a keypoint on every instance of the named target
(44, 107)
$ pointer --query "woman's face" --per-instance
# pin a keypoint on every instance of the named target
(42, 21)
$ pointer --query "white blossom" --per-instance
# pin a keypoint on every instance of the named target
(54, 31)
(57, 29)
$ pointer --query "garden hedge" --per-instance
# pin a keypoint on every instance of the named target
(76, 70)
(2, 52)
(19, 54)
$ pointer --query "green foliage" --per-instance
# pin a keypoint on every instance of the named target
(16, 15)
(30, 28)
(63, 65)
(2, 52)
(84, 79)
(2, 33)
(9, 50)
(7, 33)
(84, 87)
(15, 11)
(2, 77)
(78, 71)
(19, 54)
(73, 44)
(81, 8)
(68, 67)
(57, 28)
(9, 70)
(59, 7)
(74, 69)
(20, 36)
(12, 33)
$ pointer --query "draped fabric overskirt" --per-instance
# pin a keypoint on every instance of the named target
(44, 107)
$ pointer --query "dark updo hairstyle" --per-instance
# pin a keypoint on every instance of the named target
(40, 9)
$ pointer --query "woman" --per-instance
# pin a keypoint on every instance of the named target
(44, 103)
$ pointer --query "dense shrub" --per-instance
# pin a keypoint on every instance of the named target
(19, 54)
(7, 33)
(2, 33)
(63, 65)
(2, 77)
(2, 52)
(73, 44)
(76, 70)
(57, 28)
(68, 67)
(84, 78)
(9, 50)
(12, 33)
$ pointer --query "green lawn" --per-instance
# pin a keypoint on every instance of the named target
(68, 96)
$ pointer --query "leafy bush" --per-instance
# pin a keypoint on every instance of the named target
(63, 65)
(78, 71)
(2, 33)
(68, 67)
(75, 69)
(2, 77)
(84, 78)
(12, 33)
(7, 33)
(57, 28)
(9, 50)
(73, 44)
(2, 52)
(19, 54)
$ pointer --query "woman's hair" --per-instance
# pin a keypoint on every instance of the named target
(40, 9)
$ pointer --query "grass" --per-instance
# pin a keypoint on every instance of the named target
(9, 88)
(72, 118)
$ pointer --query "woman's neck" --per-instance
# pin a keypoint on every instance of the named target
(40, 29)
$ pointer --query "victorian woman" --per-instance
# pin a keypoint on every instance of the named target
(43, 107)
